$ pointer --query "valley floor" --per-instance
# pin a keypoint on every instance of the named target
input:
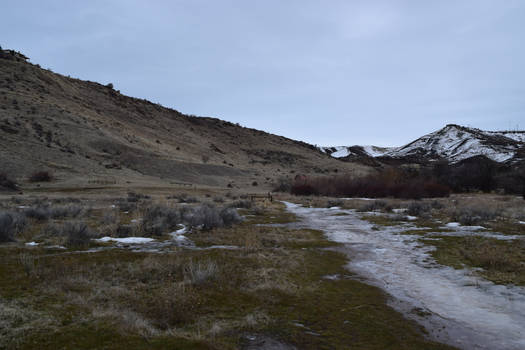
(254, 285)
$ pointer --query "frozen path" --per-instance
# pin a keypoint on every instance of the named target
(455, 307)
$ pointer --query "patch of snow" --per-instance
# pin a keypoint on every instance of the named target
(22, 207)
(399, 210)
(32, 244)
(374, 151)
(127, 240)
(411, 218)
(521, 222)
(184, 229)
(457, 224)
(112, 206)
(341, 151)
(227, 247)
(457, 144)
(332, 277)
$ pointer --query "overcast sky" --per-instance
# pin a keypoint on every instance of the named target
(327, 72)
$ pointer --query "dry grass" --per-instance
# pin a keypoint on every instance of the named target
(17, 318)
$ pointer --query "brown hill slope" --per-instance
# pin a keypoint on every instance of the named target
(85, 132)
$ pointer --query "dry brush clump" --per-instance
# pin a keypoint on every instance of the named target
(41, 176)
(11, 224)
(474, 213)
(78, 234)
(375, 205)
(7, 183)
(46, 212)
(159, 219)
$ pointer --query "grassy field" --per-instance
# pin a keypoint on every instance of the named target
(272, 283)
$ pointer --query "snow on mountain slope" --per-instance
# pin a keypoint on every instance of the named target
(515, 135)
(456, 143)
(345, 151)
(453, 143)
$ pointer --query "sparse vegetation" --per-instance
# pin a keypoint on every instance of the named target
(474, 215)
(419, 208)
(158, 220)
(203, 298)
(78, 234)
(11, 223)
(375, 205)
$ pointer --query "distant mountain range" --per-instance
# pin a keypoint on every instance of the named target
(453, 143)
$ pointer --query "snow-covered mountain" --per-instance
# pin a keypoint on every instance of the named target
(453, 143)
(346, 151)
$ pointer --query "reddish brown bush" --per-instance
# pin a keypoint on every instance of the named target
(41, 176)
(384, 185)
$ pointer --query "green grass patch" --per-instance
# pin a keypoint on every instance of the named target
(502, 261)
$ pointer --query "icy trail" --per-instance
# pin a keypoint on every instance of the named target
(455, 307)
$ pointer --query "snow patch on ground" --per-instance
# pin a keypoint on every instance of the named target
(127, 240)
(32, 244)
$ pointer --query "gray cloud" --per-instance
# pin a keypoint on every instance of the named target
(327, 72)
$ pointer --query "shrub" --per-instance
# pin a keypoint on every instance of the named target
(230, 216)
(125, 205)
(135, 197)
(64, 211)
(284, 184)
(44, 212)
(206, 216)
(218, 199)
(124, 231)
(199, 273)
(159, 219)
(243, 203)
(78, 234)
(334, 203)
(184, 198)
(7, 183)
(38, 213)
(375, 205)
(41, 176)
(474, 215)
(303, 190)
(418, 208)
(11, 224)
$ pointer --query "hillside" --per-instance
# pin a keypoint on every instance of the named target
(84, 132)
(453, 143)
